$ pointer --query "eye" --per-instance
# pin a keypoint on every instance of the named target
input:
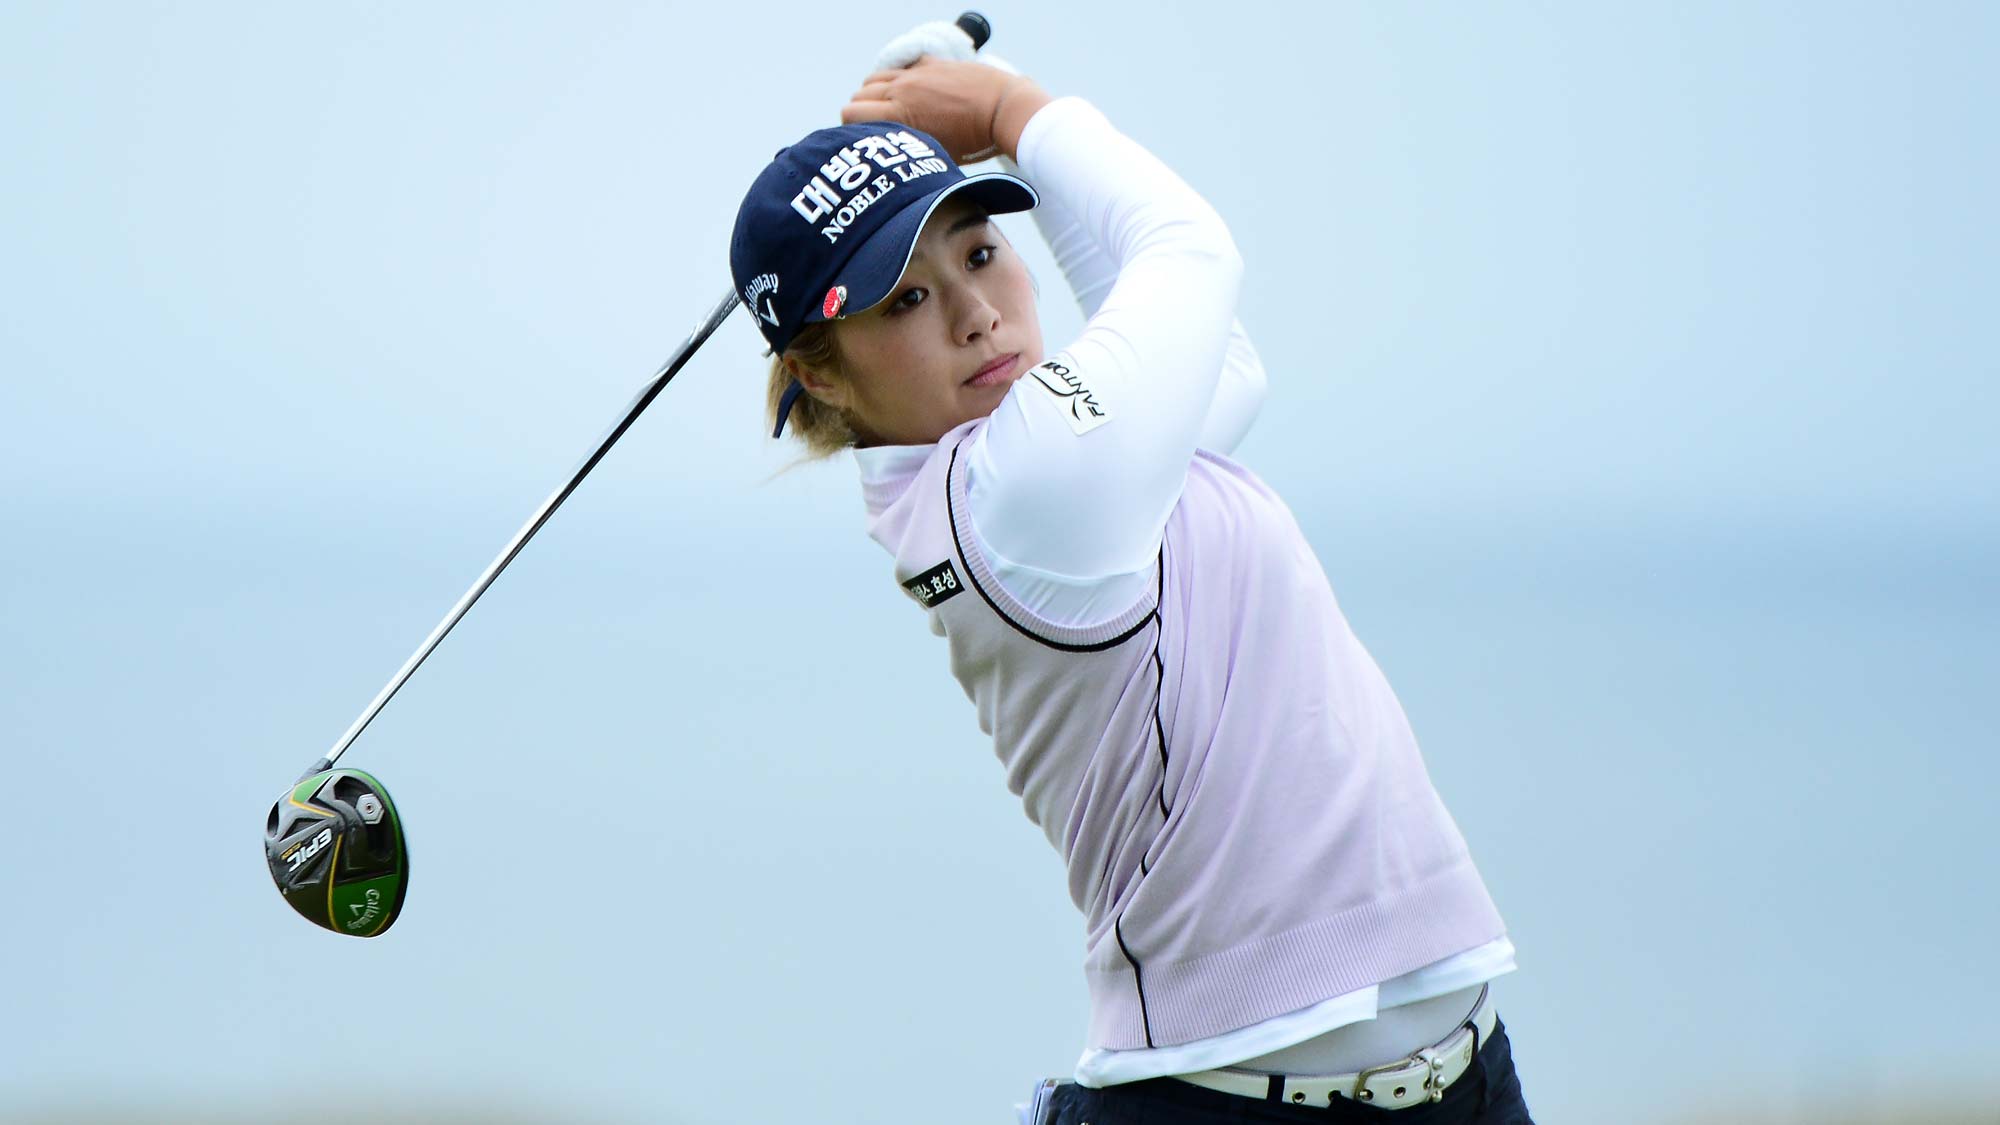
(979, 258)
(905, 301)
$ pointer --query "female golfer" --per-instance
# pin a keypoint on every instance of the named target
(1283, 922)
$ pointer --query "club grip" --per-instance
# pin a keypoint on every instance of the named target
(975, 25)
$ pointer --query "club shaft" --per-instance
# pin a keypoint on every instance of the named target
(639, 403)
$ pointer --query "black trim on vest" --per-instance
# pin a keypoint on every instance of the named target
(972, 576)
(1159, 666)
(1160, 674)
(1138, 977)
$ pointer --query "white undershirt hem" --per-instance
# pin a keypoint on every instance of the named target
(1099, 1067)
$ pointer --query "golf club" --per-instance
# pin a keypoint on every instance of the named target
(334, 840)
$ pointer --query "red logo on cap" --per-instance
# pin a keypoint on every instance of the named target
(836, 297)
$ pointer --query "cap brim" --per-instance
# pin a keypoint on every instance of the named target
(878, 263)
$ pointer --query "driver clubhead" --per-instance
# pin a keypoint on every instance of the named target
(334, 843)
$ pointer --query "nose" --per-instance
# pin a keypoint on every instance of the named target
(977, 318)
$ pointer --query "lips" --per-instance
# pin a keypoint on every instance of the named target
(995, 371)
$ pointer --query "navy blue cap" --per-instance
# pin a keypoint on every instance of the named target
(829, 225)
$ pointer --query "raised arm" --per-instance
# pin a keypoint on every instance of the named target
(1076, 472)
(1088, 269)
(1239, 393)
(1097, 439)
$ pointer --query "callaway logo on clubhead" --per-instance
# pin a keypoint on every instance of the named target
(362, 913)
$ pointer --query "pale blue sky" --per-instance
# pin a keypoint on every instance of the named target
(1631, 372)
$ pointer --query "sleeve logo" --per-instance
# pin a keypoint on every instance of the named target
(1080, 406)
(934, 586)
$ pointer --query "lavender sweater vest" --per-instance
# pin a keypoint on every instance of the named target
(1247, 823)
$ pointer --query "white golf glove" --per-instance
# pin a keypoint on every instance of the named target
(938, 39)
(942, 39)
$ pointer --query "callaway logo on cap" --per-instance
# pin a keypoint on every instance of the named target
(828, 226)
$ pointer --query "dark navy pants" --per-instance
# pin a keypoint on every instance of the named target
(1488, 1093)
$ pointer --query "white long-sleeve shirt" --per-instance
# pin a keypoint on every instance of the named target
(1073, 528)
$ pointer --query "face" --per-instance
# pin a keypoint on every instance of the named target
(944, 346)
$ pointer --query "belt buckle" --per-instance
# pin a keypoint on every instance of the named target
(1428, 1058)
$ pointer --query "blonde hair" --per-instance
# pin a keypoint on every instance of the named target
(822, 428)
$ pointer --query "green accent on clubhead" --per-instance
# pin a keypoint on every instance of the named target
(364, 908)
(341, 875)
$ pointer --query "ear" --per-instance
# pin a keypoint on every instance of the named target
(817, 384)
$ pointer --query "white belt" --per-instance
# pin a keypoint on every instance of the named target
(1414, 1080)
